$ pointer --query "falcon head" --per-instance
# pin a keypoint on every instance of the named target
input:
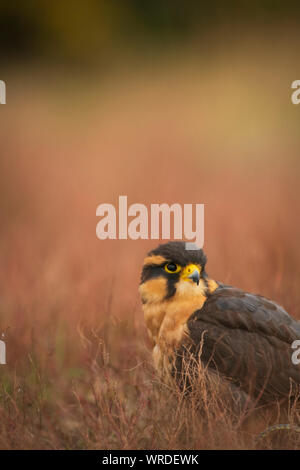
(171, 270)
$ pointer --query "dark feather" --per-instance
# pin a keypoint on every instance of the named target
(176, 252)
(247, 339)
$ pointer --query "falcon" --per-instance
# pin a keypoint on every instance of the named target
(244, 338)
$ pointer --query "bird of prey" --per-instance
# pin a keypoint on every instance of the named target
(244, 338)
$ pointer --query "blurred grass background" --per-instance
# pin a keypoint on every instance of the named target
(163, 102)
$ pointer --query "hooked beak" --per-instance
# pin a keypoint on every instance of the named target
(191, 273)
(195, 276)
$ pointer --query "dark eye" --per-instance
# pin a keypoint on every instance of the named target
(172, 268)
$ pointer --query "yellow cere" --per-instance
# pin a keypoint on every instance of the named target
(189, 269)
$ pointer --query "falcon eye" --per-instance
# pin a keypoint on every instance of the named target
(172, 268)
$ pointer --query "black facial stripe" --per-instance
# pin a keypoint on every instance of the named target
(172, 285)
(151, 271)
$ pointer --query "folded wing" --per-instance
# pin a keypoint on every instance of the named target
(247, 339)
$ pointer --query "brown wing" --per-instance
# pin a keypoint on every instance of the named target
(247, 339)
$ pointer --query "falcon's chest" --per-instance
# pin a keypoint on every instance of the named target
(167, 327)
(166, 320)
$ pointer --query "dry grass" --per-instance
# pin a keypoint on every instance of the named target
(79, 373)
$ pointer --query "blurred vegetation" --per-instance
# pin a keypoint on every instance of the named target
(215, 127)
(90, 30)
